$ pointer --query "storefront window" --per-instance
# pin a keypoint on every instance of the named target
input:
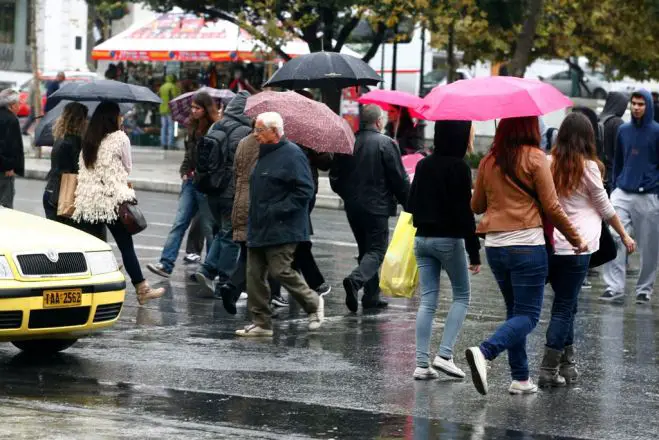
(7, 12)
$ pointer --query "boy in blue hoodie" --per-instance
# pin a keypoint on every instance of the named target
(635, 197)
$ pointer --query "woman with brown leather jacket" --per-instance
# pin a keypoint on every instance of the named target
(513, 189)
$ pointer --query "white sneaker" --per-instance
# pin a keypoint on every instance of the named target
(425, 373)
(316, 319)
(528, 387)
(192, 258)
(478, 366)
(253, 331)
(243, 296)
(448, 367)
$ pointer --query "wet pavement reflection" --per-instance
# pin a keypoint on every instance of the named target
(174, 369)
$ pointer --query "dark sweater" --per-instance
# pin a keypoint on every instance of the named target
(440, 198)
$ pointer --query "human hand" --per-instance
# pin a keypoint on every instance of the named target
(581, 247)
(184, 177)
(629, 243)
(475, 268)
(10, 173)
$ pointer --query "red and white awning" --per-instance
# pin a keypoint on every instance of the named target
(186, 37)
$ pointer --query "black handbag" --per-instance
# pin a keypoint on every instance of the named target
(131, 217)
(607, 251)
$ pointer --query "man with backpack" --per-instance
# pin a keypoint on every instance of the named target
(610, 121)
(215, 177)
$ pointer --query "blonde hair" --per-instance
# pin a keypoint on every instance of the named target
(72, 121)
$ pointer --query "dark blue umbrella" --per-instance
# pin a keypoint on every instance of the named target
(320, 70)
(43, 134)
(102, 90)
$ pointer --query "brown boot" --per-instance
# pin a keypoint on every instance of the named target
(146, 292)
(549, 376)
(568, 366)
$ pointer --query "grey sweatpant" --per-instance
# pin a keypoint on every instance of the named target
(639, 214)
(7, 190)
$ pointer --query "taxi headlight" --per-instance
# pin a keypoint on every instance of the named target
(101, 262)
(5, 269)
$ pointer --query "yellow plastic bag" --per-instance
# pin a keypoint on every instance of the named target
(399, 277)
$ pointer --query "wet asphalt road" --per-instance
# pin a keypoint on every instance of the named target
(174, 369)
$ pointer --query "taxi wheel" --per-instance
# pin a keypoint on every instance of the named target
(44, 346)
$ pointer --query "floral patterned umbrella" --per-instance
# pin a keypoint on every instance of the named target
(306, 122)
(181, 105)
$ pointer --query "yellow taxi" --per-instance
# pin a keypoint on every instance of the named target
(56, 283)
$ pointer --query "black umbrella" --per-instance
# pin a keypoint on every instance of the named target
(102, 90)
(43, 134)
(324, 70)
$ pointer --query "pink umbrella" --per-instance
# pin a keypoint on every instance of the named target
(181, 106)
(492, 97)
(409, 162)
(306, 122)
(387, 98)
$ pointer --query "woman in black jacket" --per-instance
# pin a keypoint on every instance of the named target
(67, 131)
(440, 204)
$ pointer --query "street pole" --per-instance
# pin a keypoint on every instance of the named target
(423, 58)
(34, 55)
(383, 46)
(394, 61)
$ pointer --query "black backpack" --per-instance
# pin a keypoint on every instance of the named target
(214, 167)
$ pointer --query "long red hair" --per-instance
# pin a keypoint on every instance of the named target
(575, 145)
(512, 134)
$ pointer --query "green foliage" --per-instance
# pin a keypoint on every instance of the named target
(474, 160)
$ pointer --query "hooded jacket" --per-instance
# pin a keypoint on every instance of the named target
(440, 197)
(11, 142)
(636, 160)
(167, 92)
(236, 125)
(611, 119)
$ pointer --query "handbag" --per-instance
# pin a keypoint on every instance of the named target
(608, 250)
(547, 226)
(130, 215)
(67, 195)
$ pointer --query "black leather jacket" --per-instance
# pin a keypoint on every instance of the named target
(373, 179)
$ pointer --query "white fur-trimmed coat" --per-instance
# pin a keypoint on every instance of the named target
(104, 187)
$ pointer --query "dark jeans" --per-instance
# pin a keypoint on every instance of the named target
(521, 272)
(372, 236)
(195, 243)
(238, 281)
(567, 275)
(124, 242)
(98, 230)
(7, 190)
(222, 256)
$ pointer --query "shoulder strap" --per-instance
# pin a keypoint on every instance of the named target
(521, 185)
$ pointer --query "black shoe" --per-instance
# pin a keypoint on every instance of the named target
(323, 289)
(379, 304)
(352, 292)
(279, 301)
(610, 296)
(642, 298)
(225, 293)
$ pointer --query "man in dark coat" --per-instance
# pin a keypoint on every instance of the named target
(370, 182)
(12, 158)
(280, 190)
(611, 120)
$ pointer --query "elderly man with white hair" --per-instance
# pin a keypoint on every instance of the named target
(280, 190)
(12, 158)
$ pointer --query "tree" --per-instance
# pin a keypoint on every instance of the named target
(322, 24)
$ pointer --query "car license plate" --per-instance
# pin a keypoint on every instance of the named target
(62, 298)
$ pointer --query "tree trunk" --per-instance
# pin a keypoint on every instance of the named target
(36, 81)
(525, 39)
(450, 54)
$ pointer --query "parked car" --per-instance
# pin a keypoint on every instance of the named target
(57, 283)
(24, 90)
(439, 78)
(597, 83)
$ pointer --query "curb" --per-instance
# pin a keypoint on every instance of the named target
(326, 201)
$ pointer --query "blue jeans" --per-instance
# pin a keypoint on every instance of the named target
(222, 258)
(521, 272)
(166, 130)
(190, 201)
(432, 255)
(568, 273)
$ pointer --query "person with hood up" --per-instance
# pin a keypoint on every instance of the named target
(611, 120)
(12, 158)
(167, 92)
(440, 204)
(635, 197)
(370, 182)
(223, 255)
